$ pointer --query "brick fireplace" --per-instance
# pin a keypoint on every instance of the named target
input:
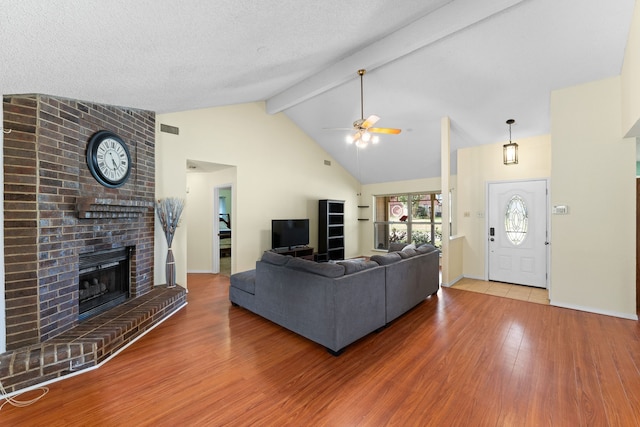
(56, 212)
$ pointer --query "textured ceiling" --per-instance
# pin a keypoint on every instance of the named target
(479, 63)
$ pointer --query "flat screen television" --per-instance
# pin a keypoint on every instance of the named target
(288, 233)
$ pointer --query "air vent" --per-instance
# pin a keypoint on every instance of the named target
(169, 129)
(327, 162)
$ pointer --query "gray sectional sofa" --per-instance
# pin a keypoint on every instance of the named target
(335, 304)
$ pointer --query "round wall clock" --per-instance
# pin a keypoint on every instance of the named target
(108, 159)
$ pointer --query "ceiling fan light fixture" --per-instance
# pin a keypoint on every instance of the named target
(366, 136)
(375, 139)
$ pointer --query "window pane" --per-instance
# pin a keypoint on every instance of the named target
(516, 220)
(382, 210)
(398, 209)
(421, 206)
(420, 233)
(437, 239)
(398, 233)
(381, 236)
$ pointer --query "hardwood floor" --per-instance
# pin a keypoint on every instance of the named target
(460, 358)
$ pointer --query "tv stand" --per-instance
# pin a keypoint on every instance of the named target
(297, 251)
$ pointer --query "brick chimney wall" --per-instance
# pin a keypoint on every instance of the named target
(45, 176)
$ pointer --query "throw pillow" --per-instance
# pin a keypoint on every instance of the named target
(409, 247)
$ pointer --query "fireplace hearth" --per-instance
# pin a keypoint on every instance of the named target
(104, 280)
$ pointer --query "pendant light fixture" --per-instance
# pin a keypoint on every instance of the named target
(510, 150)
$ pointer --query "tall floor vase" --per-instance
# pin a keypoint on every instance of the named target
(170, 269)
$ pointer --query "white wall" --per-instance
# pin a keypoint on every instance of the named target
(482, 164)
(280, 174)
(593, 248)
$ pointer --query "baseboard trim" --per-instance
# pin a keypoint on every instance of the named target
(593, 310)
(456, 280)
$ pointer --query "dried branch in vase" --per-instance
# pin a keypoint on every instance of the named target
(169, 211)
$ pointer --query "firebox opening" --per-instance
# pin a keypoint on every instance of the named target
(104, 280)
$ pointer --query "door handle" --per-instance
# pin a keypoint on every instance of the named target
(492, 239)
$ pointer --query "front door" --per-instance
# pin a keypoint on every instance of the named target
(517, 235)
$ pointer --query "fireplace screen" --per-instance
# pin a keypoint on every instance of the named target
(103, 281)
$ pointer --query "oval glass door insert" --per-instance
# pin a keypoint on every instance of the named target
(516, 220)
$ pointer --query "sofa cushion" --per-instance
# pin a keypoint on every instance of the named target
(410, 251)
(351, 267)
(320, 268)
(275, 258)
(245, 281)
(395, 247)
(425, 248)
(386, 259)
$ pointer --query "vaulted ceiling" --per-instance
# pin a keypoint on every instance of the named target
(477, 62)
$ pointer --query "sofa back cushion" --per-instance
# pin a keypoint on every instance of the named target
(325, 269)
(425, 248)
(395, 246)
(386, 259)
(275, 258)
(351, 267)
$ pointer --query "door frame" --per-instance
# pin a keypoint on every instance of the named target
(485, 232)
(215, 238)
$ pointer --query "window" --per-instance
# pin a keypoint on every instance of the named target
(408, 218)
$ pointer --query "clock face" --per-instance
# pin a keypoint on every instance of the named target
(112, 159)
(108, 159)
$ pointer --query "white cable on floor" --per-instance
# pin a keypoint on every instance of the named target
(20, 403)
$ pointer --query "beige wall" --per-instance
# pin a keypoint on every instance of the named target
(280, 174)
(480, 165)
(593, 173)
(631, 79)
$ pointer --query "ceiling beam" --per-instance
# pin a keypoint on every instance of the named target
(449, 17)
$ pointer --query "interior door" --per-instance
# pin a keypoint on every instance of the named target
(518, 230)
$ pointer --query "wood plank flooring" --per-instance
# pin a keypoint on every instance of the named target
(460, 358)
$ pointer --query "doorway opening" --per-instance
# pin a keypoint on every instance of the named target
(209, 234)
(222, 230)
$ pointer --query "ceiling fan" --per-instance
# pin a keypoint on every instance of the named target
(362, 127)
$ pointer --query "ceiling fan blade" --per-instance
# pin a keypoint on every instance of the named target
(371, 120)
(384, 130)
